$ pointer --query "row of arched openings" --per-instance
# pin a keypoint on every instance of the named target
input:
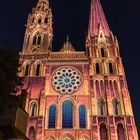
(102, 109)
(103, 132)
(99, 68)
(40, 20)
(67, 115)
(27, 68)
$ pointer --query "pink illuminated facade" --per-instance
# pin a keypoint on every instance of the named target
(75, 95)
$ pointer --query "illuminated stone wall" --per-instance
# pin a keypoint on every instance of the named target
(90, 86)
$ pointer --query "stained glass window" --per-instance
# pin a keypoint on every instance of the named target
(66, 80)
(67, 117)
(52, 116)
(82, 116)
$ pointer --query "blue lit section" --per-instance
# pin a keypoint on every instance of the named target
(101, 108)
(52, 116)
(67, 117)
(82, 116)
(115, 103)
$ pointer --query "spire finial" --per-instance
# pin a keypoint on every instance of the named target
(97, 17)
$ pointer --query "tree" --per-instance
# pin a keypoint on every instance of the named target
(9, 81)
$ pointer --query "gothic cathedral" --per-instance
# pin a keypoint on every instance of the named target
(75, 95)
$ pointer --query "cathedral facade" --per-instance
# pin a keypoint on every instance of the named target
(75, 95)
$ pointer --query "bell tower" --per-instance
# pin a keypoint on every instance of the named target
(39, 31)
(111, 105)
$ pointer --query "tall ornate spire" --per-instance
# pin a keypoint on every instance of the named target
(39, 31)
(97, 20)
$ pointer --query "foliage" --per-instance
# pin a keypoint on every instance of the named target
(9, 80)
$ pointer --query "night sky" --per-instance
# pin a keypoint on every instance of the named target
(70, 17)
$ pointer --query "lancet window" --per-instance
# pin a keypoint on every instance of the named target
(27, 70)
(121, 132)
(82, 116)
(37, 39)
(52, 117)
(101, 107)
(103, 132)
(67, 114)
(33, 109)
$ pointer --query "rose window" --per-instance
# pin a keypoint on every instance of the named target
(66, 80)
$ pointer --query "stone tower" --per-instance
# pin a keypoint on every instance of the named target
(75, 95)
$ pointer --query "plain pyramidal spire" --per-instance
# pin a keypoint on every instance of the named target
(97, 20)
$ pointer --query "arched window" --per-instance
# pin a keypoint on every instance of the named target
(31, 134)
(52, 117)
(111, 68)
(103, 132)
(101, 107)
(39, 20)
(82, 116)
(33, 109)
(102, 52)
(27, 70)
(97, 68)
(46, 20)
(116, 107)
(120, 132)
(67, 114)
(38, 69)
(97, 88)
(37, 39)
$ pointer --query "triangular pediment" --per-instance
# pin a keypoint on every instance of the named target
(67, 47)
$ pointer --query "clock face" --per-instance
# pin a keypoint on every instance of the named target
(66, 80)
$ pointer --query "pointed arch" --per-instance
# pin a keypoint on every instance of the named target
(82, 116)
(52, 117)
(27, 69)
(110, 65)
(103, 132)
(46, 20)
(32, 133)
(39, 20)
(37, 39)
(103, 52)
(67, 114)
(116, 106)
(97, 68)
(121, 132)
